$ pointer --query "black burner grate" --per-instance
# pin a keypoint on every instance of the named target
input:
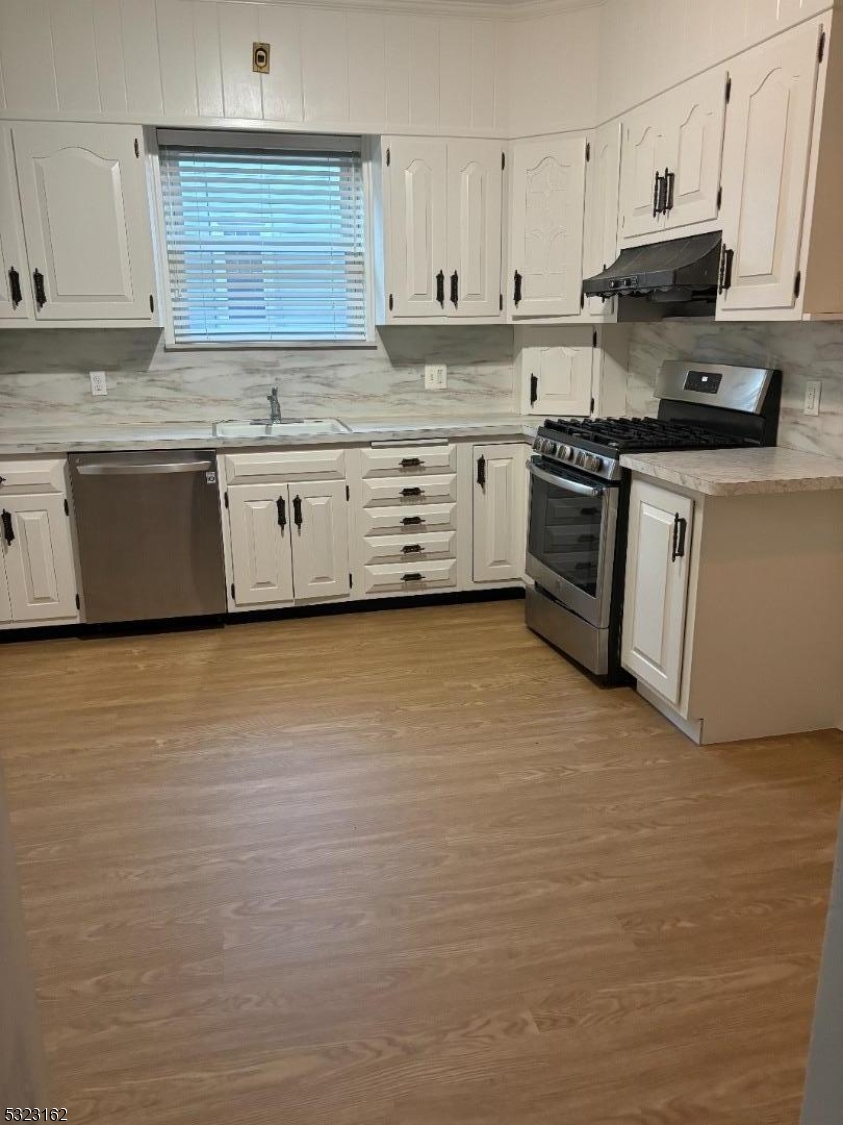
(626, 435)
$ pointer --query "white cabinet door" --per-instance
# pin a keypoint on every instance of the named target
(475, 180)
(5, 599)
(15, 301)
(498, 512)
(601, 214)
(558, 379)
(416, 175)
(320, 539)
(765, 170)
(646, 152)
(38, 558)
(546, 228)
(698, 110)
(86, 220)
(260, 520)
(660, 525)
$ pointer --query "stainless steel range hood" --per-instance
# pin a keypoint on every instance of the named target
(676, 278)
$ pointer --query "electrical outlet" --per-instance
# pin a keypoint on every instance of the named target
(99, 386)
(435, 377)
(813, 390)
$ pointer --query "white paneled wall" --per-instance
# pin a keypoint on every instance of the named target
(174, 61)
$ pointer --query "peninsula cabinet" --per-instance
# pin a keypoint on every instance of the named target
(442, 218)
(84, 213)
(733, 608)
(546, 227)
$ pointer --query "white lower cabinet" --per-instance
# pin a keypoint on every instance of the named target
(37, 559)
(498, 512)
(289, 542)
(660, 524)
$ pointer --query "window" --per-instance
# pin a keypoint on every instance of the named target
(265, 238)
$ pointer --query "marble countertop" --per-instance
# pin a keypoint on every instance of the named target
(201, 435)
(740, 472)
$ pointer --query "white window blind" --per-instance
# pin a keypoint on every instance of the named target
(265, 242)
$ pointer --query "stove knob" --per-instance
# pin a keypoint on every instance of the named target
(593, 463)
(563, 452)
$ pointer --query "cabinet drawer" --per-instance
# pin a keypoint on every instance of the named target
(299, 464)
(409, 549)
(35, 475)
(413, 460)
(408, 490)
(410, 577)
(409, 519)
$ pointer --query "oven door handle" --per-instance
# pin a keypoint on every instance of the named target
(564, 482)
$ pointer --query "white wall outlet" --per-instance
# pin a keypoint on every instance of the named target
(99, 386)
(813, 390)
(435, 377)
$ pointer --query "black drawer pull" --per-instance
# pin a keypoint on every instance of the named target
(411, 549)
(412, 578)
(407, 520)
(411, 462)
(657, 194)
(440, 288)
(455, 288)
(671, 184)
(8, 530)
(282, 512)
(680, 529)
(40, 292)
(534, 389)
(297, 516)
(14, 287)
(412, 492)
(481, 472)
(516, 289)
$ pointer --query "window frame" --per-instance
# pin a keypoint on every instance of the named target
(262, 138)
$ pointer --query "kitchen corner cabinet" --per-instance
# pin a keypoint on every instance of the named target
(656, 596)
(557, 369)
(37, 568)
(442, 222)
(499, 524)
(86, 221)
(547, 215)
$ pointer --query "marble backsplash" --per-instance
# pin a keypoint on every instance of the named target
(802, 351)
(44, 377)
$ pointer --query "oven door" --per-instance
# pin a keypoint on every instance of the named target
(571, 540)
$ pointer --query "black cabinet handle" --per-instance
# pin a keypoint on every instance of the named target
(412, 492)
(411, 549)
(412, 577)
(297, 516)
(40, 293)
(657, 194)
(282, 512)
(411, 462)
(670, 181)
(680, 529)
(516, 289)
(407, 521)
(455, 288)
(481, 472)
(727, 261)
(8, 530)
(534, 389)
(14, 287)
(440, 288)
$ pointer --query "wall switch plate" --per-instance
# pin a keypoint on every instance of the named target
(435, 377)
(99, 386)
(813, 390)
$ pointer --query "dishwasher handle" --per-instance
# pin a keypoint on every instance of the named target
(128, 469)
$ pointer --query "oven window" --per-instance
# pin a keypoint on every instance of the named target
(565, 533)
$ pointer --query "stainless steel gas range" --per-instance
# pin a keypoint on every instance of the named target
(579, 497)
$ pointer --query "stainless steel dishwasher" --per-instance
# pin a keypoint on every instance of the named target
(150, 542)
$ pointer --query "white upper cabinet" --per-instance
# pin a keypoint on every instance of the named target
(15, 297)
(442, 203)
(320, 540)
(657, 569)
(672, 150)
(547, 209)
(556, 374)
(765, 173)
(601, 212)
(474, 228)
(416, 181)
(87, 223)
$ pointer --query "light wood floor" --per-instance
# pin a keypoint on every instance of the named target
(406, 868)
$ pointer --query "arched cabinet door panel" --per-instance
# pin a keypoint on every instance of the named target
(87, 221)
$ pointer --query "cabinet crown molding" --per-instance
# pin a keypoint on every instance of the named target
(456, 9)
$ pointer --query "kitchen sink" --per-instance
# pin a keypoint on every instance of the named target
(302, 426)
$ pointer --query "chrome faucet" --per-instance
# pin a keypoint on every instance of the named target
(274, 406)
